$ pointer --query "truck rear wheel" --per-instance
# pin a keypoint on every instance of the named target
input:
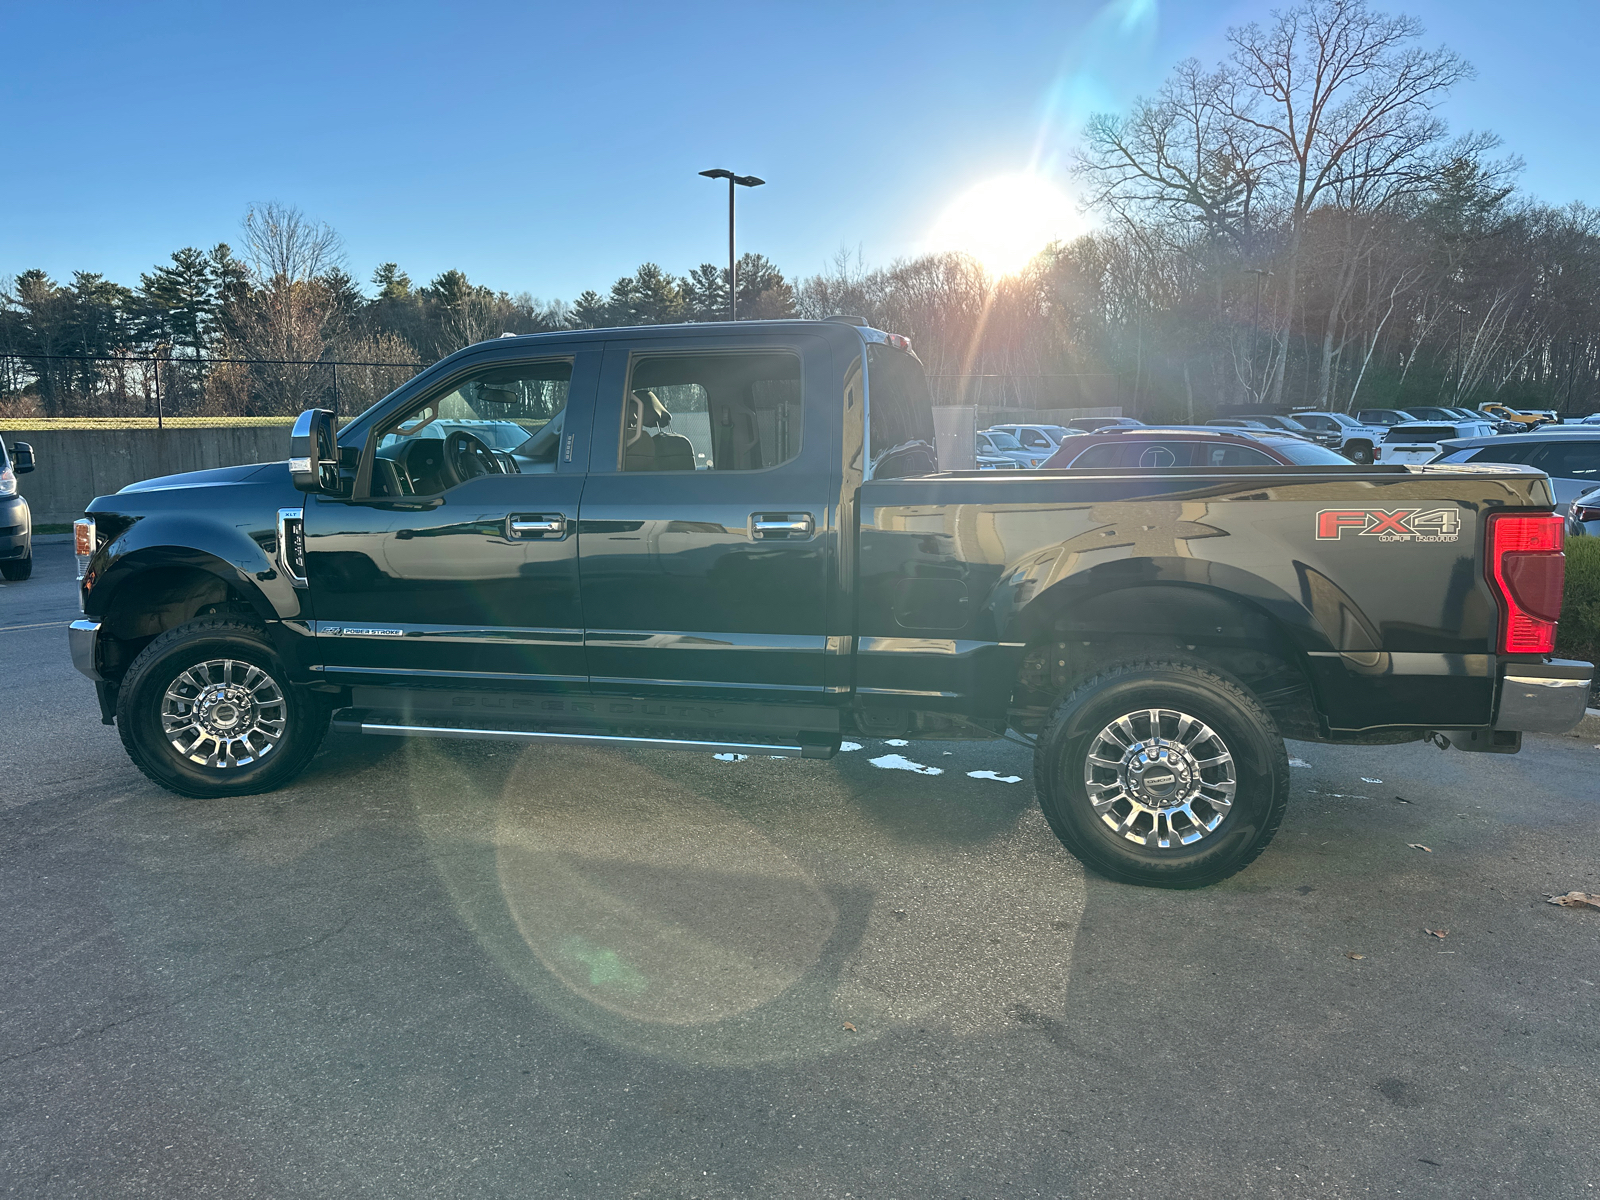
(1361, 453)
(1164, 774)
(207, 710)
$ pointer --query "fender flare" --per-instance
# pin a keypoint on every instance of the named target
(245, 562)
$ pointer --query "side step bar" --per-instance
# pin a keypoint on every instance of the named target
(360, 724)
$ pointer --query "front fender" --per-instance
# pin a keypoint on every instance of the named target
(241, 552)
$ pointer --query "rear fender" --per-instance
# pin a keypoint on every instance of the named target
(1218, 602)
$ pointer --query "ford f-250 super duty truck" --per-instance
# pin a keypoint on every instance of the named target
(736, 537)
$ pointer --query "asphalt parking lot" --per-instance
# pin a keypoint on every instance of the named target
(455, 969)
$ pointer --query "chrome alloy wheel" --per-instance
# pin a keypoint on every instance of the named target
(224, 713)
(1160, 778)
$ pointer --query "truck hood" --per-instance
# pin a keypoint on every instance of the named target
(211, 478)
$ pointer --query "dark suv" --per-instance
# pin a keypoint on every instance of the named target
(16, 526)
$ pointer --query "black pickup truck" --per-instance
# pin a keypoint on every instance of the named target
(737, 537)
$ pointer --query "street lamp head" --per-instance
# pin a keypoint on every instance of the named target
(748, 181)
(718, 173)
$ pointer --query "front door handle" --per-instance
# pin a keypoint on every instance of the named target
(781, 526)
(540, 526)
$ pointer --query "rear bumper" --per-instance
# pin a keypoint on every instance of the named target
(1547, 697)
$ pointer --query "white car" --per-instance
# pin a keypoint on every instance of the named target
(1422, 441)
(1028, 445)
(1357, 442)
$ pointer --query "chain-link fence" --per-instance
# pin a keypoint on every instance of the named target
(158, 387)
(125, 386)
(1084, 390)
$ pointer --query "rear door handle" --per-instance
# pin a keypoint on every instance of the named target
(780, 526)
(536, 526)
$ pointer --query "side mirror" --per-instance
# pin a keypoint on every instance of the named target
(21, 457)
(314, 452)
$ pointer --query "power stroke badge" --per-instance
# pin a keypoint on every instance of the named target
(1401, 525)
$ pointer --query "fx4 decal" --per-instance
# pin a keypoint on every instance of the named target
(1401, 525)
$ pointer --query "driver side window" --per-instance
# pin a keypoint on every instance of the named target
(500, 420)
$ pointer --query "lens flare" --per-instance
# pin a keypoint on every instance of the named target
(1004, 222)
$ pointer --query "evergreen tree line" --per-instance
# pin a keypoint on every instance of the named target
(1293, 224)
(280, 325)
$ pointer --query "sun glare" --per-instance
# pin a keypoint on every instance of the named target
(1004, 222)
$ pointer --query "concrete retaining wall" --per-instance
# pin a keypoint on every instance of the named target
(76, 465)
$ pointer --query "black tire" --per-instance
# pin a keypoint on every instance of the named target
(1361, 454)
(1259, 765)
(17, 569)
(298, 716)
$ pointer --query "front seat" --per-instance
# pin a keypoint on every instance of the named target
(658, 451)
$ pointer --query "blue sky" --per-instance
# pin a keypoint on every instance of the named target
(551, 148)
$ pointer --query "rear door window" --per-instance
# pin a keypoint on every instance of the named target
(711, 412)
(1234, 456)
(1032, 439)
(1569, 460)
(1151, 455)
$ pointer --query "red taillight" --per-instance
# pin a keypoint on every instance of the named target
(898, 340)
(1527, 568)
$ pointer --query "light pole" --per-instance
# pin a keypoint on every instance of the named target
(733, 266)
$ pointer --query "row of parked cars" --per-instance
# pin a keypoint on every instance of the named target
(1568, 452)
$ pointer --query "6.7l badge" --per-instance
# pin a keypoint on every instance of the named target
(1401, 525)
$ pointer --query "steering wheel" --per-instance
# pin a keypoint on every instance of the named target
(466, 456)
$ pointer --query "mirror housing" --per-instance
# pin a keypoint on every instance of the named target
(21, 457)
(314, 452)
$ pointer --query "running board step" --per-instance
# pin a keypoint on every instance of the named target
(372, 723)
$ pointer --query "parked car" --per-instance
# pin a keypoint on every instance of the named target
(1090, 424)
(1583, 514)
(1190, 446)
(1002, 442)
(1283, 424)
(995, 451)
(1037, 442)
(1423, 441)
(817, 579)
(1382, 416)
(16, 521)
(1570, 456)
(1357, 442)
(1513, 417)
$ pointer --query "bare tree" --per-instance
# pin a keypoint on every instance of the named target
(288, 315)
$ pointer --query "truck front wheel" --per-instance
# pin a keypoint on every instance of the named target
(1164, 774)
(207, 710)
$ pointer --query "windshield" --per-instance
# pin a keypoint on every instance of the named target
(1004, 441)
